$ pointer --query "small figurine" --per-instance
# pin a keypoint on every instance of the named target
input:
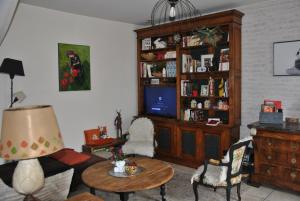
(211, 86)
(118, 124)
(193, 104)
(221, 88)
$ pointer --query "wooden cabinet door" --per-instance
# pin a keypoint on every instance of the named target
(190, 144)
(165, 139)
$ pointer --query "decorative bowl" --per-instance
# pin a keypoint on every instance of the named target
(148, 56)
(131, 168)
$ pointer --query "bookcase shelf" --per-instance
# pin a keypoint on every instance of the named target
(213, 69)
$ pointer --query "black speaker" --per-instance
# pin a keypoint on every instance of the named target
(188, 143)
(164, 139)
(212, 146)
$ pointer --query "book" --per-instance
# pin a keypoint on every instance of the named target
(213, 121)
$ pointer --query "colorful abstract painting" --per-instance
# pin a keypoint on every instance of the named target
(74, 67)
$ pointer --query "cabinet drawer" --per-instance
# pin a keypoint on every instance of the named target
(264, 143)
(294, 160)
(275, 157)
(290, 175)
(269, 171)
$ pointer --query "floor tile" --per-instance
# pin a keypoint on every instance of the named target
(277, 195)
(261, 192)
(251, 198)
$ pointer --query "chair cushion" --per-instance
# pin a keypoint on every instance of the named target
(144, 148)
(70, 157)
(141, 130)
(223, 174)
(56, 188)
(212, 176)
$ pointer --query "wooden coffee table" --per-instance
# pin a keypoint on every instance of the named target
(156, 173)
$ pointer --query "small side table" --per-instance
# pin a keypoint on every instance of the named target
(91, 148)
(84, 197)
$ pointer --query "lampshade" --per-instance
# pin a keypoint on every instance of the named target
(169, 10)
(29, 132)
(12, 67)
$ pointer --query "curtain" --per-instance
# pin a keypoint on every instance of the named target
(7, 11)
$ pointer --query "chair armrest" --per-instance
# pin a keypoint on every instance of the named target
(214, 162)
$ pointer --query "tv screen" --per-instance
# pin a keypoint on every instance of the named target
(160, 101)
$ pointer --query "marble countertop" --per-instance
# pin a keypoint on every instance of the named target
(284, 127)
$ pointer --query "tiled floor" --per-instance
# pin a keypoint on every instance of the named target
(268, 194)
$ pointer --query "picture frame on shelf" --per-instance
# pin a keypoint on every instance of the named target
(206, 60)
(286, 58)
(204, 90)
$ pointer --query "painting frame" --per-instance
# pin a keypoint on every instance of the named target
(285, 55)
(74, 72)
(204, 90)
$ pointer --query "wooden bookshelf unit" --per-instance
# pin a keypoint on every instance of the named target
(204, 72)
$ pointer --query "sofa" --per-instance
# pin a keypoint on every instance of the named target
(52, 166)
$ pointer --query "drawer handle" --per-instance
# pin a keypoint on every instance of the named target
(269, 157)
(293, 161)
(270, 143)
(294, 146)
(293, 175)
(269, 172)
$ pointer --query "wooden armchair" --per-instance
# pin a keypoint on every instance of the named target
(225, 173)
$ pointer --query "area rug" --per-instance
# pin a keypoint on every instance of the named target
(177, 189)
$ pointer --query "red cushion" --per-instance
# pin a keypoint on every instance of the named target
(101, 141)
(70, 157)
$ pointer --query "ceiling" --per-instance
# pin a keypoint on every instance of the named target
(130, 11)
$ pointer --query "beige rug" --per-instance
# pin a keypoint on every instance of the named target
(178, 189)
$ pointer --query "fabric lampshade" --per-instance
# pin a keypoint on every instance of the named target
(29, 132)
(12, 67)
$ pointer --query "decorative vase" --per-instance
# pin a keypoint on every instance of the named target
(119, 166)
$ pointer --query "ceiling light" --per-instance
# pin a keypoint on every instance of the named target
(170, 10)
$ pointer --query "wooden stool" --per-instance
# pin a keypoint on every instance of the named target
(84, 197)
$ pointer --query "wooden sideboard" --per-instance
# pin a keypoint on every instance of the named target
(276, 155)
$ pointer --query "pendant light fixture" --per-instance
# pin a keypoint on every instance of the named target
(170, 10)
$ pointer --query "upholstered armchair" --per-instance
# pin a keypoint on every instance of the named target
(140, 138)
(225, 173)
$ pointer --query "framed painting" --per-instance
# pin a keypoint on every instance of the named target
(286, 58)
(74, 67)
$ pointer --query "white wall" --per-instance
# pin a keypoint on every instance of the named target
(264, 23)
(33, 38)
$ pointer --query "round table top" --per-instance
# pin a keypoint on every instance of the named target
(155, 174)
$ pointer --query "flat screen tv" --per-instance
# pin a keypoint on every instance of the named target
(160, 101)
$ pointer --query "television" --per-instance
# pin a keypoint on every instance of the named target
(160, 101)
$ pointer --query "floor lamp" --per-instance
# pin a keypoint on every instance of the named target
(28, 133)
(12, 67)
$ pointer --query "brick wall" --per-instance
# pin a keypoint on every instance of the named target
(264, 23)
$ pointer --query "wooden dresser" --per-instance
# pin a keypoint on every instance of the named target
(276, 155)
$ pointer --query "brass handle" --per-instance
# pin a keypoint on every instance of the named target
(269, 172)
(293, 161)
(294, 146)
(269, 143)
(269, 157)
(293, 175)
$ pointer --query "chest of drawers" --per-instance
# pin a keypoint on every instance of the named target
(276, 155)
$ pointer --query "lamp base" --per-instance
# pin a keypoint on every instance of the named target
(30, 198)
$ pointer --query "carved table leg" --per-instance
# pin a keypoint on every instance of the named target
(163, 192)
(124, 196)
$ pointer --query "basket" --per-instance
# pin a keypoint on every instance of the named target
(148, 56)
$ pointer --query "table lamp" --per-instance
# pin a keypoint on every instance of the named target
(28, 133)
(12, 67)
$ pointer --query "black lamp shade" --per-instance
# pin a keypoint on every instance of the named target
(12, 67)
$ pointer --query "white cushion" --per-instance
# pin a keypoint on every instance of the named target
(144, 148)
(142, 129)
(56, 188)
